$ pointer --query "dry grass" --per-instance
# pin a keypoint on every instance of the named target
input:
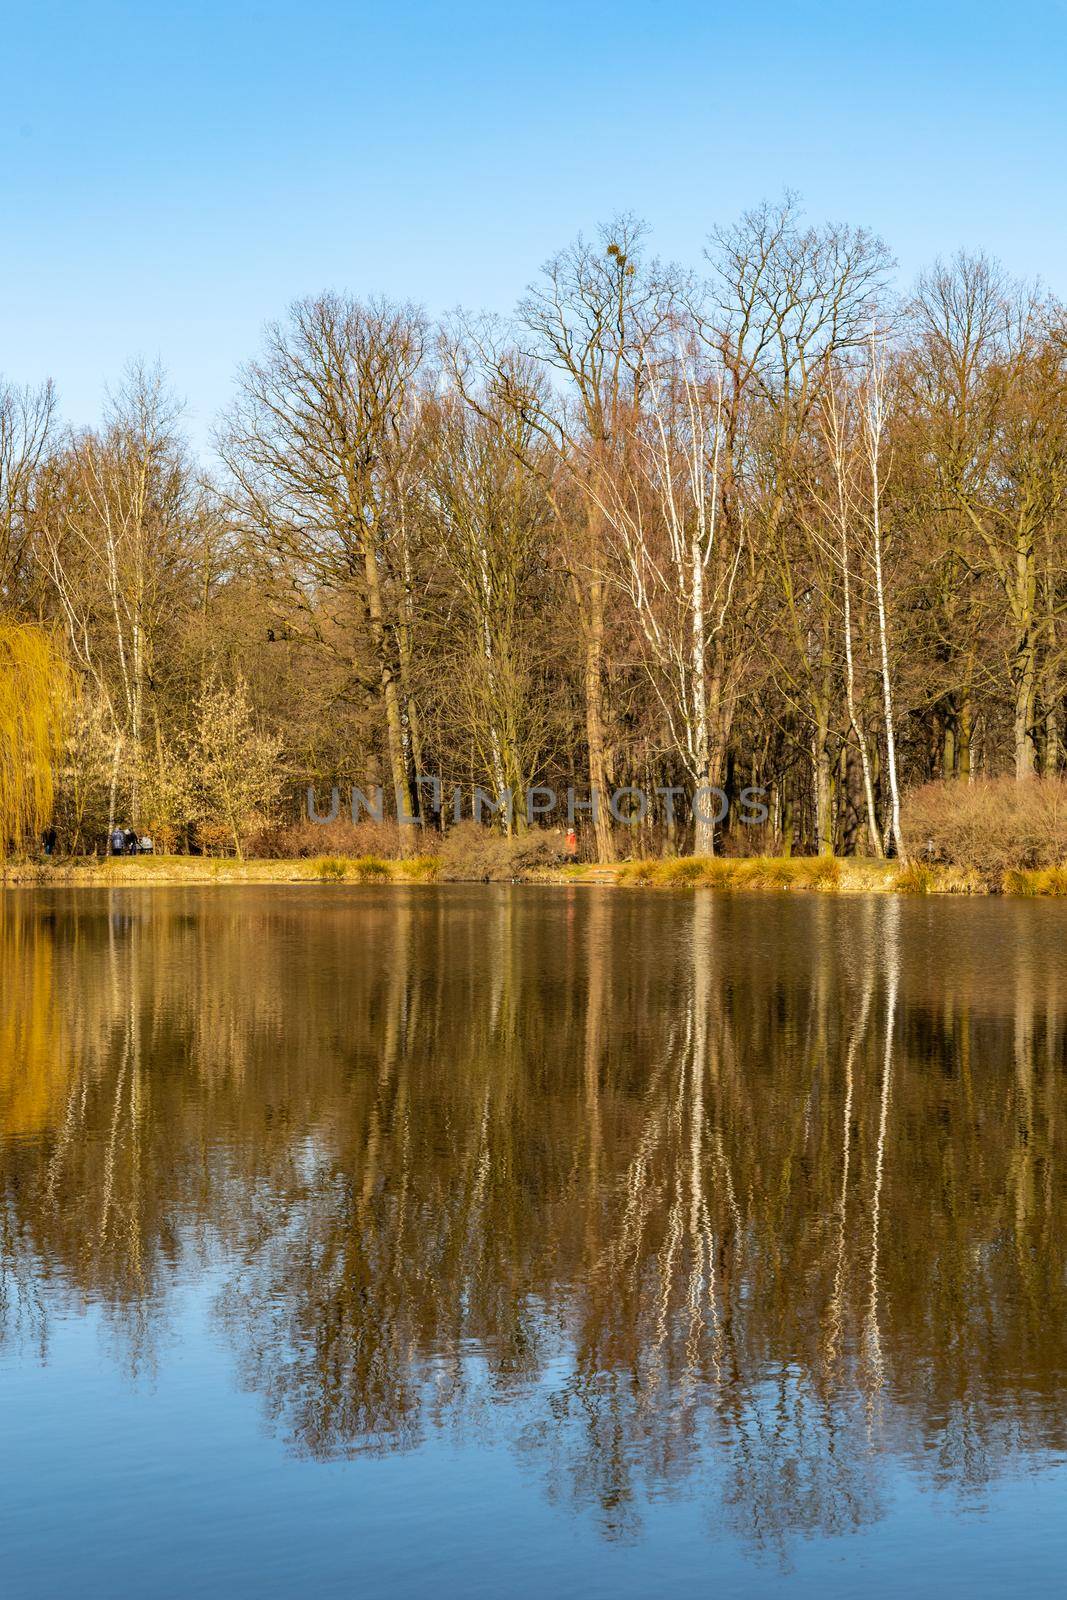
(916, 878)
(145, 871)
(1041, 882)
(420, 869)
(743, 872)
(826, 874)
(331, 869)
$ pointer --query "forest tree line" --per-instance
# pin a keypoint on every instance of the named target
(766, 523)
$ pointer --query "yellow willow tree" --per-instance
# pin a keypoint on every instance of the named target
(34, 695)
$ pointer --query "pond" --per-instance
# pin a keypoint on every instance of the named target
(486, 1241)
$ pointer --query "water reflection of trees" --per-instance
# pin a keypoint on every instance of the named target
(656, 1187)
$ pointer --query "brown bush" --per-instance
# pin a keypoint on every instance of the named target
(300, 840)
(215, 838)
(994, 825)
(472, 853)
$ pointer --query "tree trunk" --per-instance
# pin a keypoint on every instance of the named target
(788, 827)
(887, 689)
(390, 692)
(594, 724)
(1052, 741)
(850, 677)
(948, 746)
(820, 755)
(703, 821)
(111, 792)
(1025, 678)
(966, 737)
(1024, 667)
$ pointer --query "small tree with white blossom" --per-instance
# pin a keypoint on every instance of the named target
(237, 768)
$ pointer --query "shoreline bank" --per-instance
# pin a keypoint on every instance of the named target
(806, 874)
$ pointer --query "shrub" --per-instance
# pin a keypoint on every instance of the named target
(916, 878)
(330, 869)
(234, 769)
(788, 872)
(215, 838)
(993, 825)
(370, 869)
(472, 853)
(266, 843)
(684, 871)
(777, 872)
(817, 872)
(639, 872)
(298, 840)
(421, 869)
(959, 880)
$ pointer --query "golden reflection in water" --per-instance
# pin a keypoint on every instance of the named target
(646, 1183)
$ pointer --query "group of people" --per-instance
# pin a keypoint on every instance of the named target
(125, 842)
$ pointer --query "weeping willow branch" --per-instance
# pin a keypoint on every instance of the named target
(35, 691)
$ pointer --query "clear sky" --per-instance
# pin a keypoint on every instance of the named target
(172, 175)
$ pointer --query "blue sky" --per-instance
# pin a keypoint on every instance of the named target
(172, 175)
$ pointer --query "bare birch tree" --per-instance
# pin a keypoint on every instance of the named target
(786, 302)
(662, 513)
(874, 431)
(836, 430)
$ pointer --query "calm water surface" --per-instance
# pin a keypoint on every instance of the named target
(532, 1243)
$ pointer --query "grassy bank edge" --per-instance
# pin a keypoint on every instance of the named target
(169, 871)
(818, 874)
(833, 875)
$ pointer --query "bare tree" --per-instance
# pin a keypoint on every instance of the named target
(662, 512)
(591, 318)
(991, 383)
(874, 429)
(492, 528)
(312, 446)
(117, 540)
(786, 303)
(27, 418)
